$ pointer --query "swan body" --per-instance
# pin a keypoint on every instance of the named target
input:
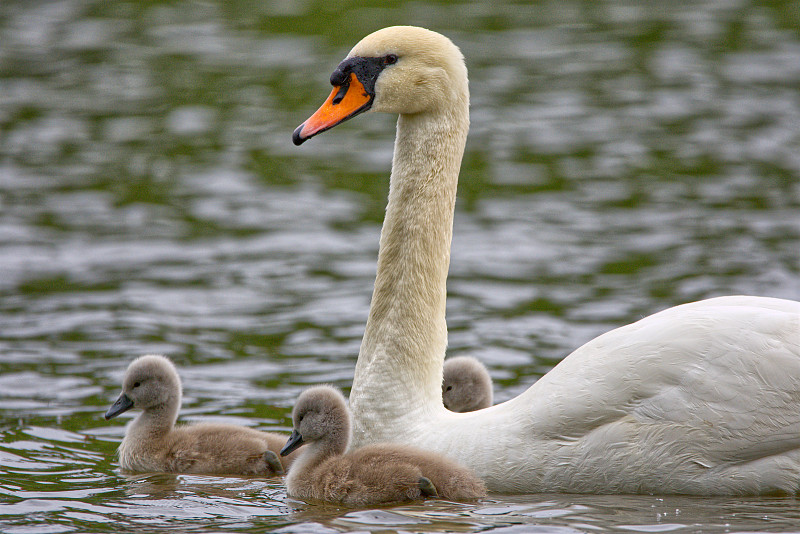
(153, 443)
(373, 474)
(466, 385)
(702, 398)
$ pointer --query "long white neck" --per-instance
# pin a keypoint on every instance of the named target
(399, 369)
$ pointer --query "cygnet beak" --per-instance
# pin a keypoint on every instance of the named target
(123, 404)
(295, 440)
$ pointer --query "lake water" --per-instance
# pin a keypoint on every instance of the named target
(624, 157)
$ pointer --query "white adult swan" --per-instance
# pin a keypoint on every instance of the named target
(702, 398)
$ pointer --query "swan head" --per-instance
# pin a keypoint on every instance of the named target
(320, 415)
(400, 69)
(150, 382)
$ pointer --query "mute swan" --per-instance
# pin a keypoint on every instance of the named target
(466, 385)
(152, 442)
(374, 474)
(702, 398)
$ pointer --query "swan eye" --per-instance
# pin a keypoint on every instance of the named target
(390, 59)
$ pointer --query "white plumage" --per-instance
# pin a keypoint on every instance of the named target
(702, 398)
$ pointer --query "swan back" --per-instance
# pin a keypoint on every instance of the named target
(466, 385)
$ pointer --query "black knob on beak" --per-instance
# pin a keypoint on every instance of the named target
(339, 78)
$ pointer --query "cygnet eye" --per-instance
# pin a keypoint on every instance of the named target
(137, 384)
(448, 388)
(390, 59)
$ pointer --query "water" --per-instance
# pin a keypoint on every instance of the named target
(624, 157)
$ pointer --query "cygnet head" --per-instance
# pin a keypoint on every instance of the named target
(320, 415)
(399, 69)
(150, 383)
(467, 385)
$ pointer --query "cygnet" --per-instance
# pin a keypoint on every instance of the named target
(153, 443)
(466, 386)
(375, 474)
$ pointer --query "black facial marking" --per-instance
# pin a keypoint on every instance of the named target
(366, 69)
(340, 94)
(339, 76)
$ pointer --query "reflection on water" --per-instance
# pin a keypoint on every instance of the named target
(623, 158)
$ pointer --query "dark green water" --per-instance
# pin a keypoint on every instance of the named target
(624, 157)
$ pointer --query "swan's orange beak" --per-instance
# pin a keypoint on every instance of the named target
(346, 101)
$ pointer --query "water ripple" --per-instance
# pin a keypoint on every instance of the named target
(623, 158)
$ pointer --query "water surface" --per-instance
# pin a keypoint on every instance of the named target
(624, 157)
